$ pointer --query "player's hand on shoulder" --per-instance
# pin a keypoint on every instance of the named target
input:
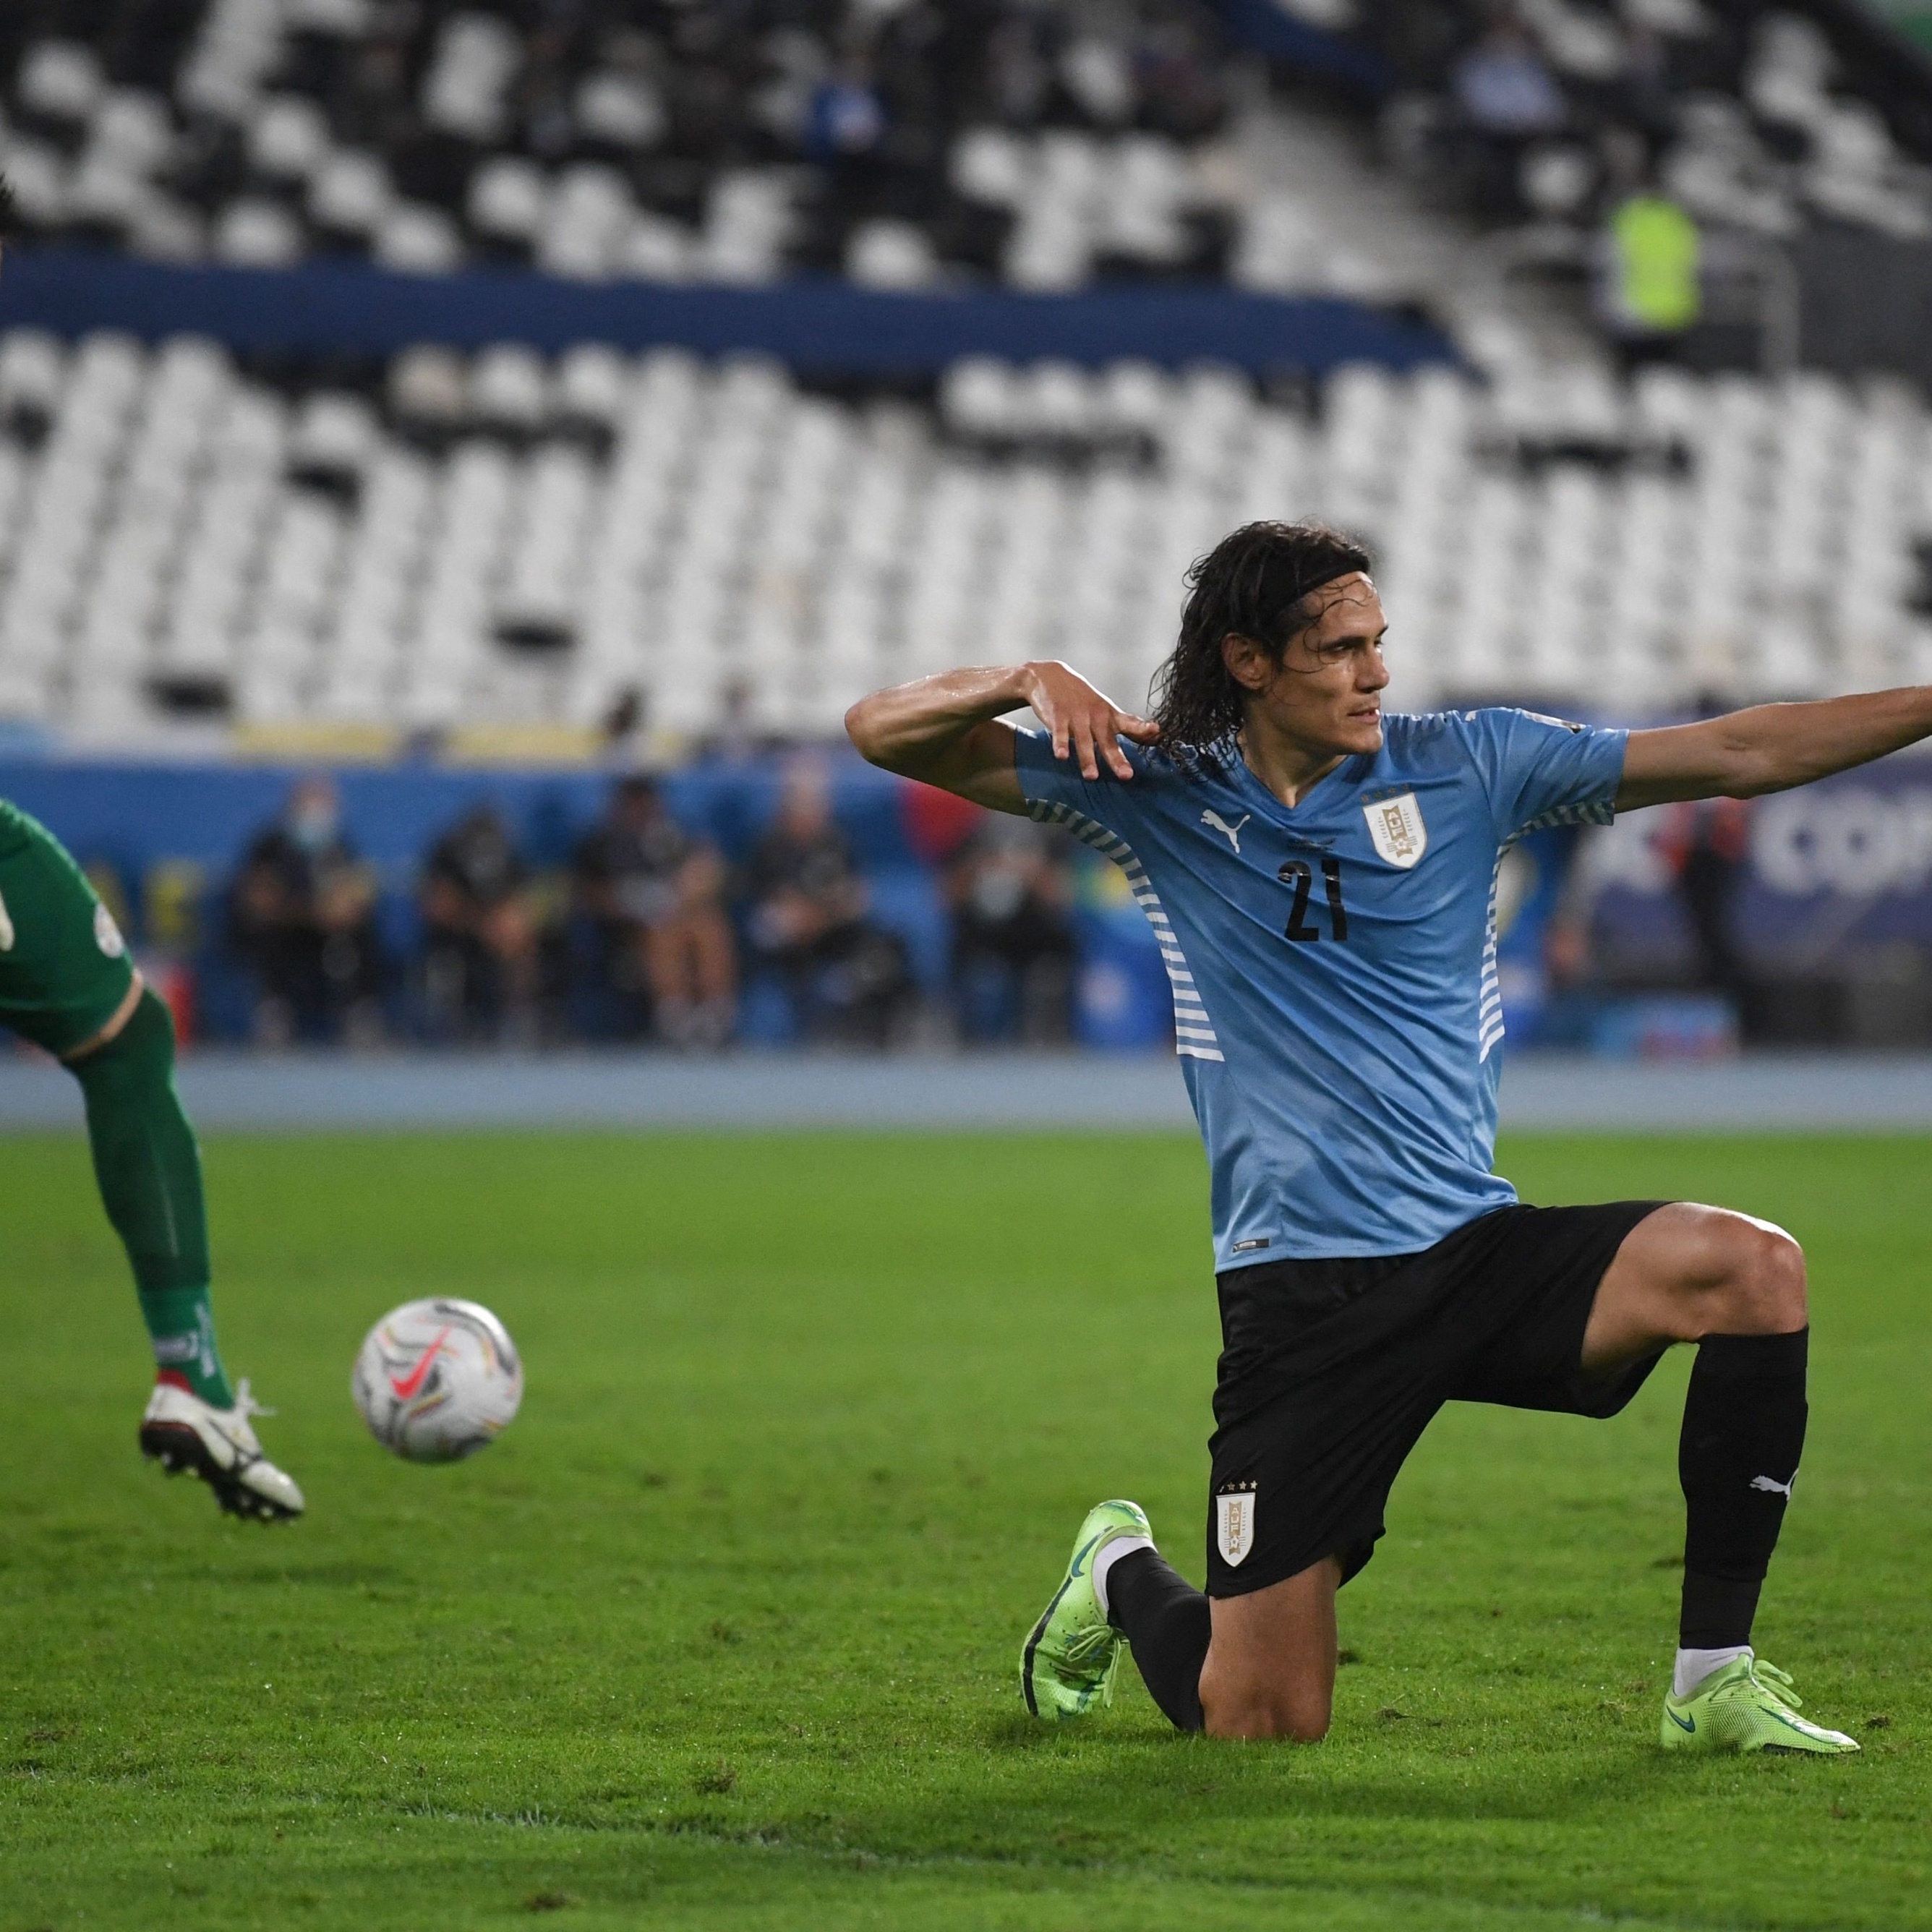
(1084, 724)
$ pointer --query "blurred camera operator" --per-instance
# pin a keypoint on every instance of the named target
(847, 979)
(480, 932)
(655, 895)
(1013, 947)
(303, 917)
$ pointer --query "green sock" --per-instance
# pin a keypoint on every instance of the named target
(149, 1171)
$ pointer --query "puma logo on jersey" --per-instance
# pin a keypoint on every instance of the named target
(1771, 1488)
(1220, 824)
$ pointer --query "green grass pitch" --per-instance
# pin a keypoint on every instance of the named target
(723, 1632)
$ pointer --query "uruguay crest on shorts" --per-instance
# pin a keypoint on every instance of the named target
(1234, 1523)
(1396, 826)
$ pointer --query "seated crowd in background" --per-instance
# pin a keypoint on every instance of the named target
(647, 932)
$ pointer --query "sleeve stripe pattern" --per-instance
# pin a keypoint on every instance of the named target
(1490, 993)
(1599, 812)
(1194, 1037)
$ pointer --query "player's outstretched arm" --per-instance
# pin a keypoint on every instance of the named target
(946, 730)
(1770, 747)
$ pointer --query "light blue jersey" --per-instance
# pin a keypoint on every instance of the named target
(1336, 1007)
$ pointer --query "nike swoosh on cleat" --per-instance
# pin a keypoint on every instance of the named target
(1682, 1723)
(413, 1380)
(1032, 1644)
(1080, 1556)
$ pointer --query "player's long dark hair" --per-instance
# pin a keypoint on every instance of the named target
(1258, 582)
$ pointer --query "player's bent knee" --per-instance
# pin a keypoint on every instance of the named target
(1263, 1707)
(1782, 1293)
(1765, 1290)
(1268, 1719)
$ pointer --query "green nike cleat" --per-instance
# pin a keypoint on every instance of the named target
(1748, 1706)
(1069, 1663)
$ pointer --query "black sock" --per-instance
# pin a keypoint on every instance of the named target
(1743, 1431)
(1166, 1620)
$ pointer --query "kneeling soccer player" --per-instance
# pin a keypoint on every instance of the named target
(67, 984)
(1321, 878)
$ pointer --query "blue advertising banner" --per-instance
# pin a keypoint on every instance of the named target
(1823, 874)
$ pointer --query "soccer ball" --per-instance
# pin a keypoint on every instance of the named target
(436, 1380)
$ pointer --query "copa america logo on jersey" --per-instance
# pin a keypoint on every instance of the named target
(1234, 1510)
(1396, 826)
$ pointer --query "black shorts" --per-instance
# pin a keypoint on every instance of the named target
(1330, 1370)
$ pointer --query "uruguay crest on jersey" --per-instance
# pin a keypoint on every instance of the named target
(1234, 1523)
(1396, 826)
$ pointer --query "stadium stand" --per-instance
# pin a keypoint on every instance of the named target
(483, 399)
(504, 539)
(1759, 118)
(905, 144)
(896, 147)
(899, 144)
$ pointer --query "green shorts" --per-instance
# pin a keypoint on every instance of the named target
(63, 966)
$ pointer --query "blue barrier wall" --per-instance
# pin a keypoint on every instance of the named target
(820, 326)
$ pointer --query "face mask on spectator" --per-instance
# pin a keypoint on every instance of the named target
(313, 827)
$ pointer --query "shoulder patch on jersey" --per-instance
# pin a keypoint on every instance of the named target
(106, 933)
(1396, 826)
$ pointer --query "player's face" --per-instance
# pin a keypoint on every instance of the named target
(1326, 694)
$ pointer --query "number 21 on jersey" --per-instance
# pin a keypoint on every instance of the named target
(1300, 875)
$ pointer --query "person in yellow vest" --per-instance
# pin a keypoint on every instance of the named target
(1650, 289)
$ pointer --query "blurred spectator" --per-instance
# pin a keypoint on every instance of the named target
(303, 917)
(846, 117)
(654, 894)
(1503, 87)
(1707, 846)
(481, 931)
(1506, 98)
(848, 979)
(1013, 947)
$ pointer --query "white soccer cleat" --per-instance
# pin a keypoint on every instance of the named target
(180, 1432)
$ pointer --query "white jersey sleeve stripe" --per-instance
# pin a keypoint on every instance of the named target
(1193, 1031)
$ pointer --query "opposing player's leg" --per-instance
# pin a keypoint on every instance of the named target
(66, 983)
(148, 1169)
(1736, 1287)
